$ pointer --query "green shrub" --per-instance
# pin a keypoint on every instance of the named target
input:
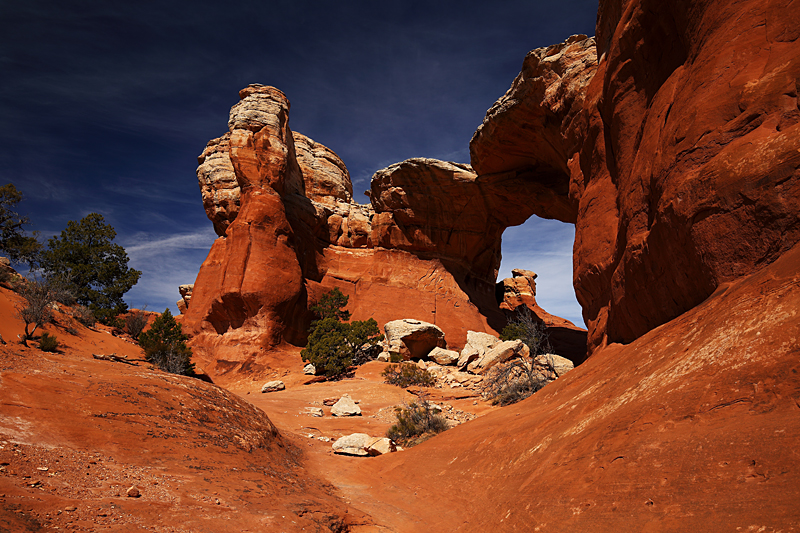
(95, 268)
(19, 248)
(407, 374)
(333, 346)
(164, 346)
(416, 423)
(48, 343)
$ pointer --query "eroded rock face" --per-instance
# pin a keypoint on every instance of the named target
(218, 185)
(427, 247)
(528, 135)
(682, 165)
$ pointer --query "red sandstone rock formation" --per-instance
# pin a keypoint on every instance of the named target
(293, 233)
(683, 162)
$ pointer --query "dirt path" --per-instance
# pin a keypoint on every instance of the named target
(359, 480)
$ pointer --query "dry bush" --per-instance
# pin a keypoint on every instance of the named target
(515, 380)
(407, 374)
(135, 322)
(37, 308)
(416, 423)
(84, 315)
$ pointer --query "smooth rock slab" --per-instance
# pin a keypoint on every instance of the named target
(499, 354)
(272, 386)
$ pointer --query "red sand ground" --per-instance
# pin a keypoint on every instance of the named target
(694, 426)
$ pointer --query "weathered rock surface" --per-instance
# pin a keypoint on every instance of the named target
(478, 343)
(273, 386)
(295, 235)
(530, 131)
(362, 444)
(560, 365)
(696, 159)
(309, 369)
(443, 357)
(218, 185)
(413, 339)
(345, 407)
(499, 353)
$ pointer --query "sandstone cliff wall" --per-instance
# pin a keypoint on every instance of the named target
(680, 155)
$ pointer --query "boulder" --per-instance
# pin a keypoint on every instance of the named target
(345, 407)
(443, 357)
(362, 444)
(314, 411)
(354, 444)
(381, 446)
(560, 365)
(478, 343)
(309, 370)
(500, 353)
(413, 339)
(272, 386)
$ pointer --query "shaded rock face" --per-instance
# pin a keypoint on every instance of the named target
(682, 165)
(529, 134)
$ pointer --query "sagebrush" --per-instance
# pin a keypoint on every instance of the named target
(416, 422)
(48, 343)
(135, 322)
(407, 374)
(36, 310)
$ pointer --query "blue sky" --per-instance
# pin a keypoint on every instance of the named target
(104, 107)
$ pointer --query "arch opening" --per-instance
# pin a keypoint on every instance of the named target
(544, 247)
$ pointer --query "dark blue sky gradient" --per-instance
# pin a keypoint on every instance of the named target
(104, 106)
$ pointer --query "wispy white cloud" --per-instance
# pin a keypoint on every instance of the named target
(166, 261)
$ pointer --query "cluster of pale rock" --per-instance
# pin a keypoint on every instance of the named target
(423, 342)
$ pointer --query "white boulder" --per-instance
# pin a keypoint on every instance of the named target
(413, 339)
(272, 386)
(345, 407)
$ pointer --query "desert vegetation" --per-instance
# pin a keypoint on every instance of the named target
(416, 422)
(406, 375)
(80, 266)
(164, 345)
(19, 247)
(519, 378)
(334, 345)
